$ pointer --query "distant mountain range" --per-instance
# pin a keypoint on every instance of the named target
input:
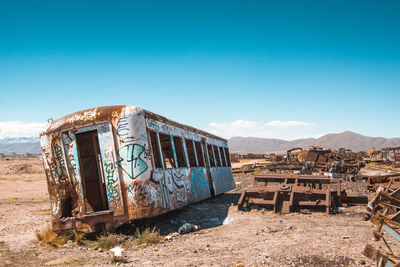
(351, 140)
(354, 141)
(20, 145)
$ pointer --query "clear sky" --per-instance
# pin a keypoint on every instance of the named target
(281, 69)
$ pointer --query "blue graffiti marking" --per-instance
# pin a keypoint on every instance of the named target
(122, 126)
(112, 189)
(131, 162)
(200, 188)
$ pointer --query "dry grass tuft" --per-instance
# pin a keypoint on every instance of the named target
(108, 241)
(148, 236)
(49, 237)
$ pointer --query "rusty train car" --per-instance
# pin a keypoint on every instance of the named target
(110, 165)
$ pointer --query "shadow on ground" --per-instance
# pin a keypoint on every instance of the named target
(206, 214)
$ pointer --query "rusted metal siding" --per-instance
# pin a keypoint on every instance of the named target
(134, 188)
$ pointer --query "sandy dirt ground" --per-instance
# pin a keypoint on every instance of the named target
(248, 161)
(228, 237)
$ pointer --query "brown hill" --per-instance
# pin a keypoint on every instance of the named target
(354, 141)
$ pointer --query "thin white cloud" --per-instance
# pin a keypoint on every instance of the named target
(16, 129)
(289, 123)
(287, 130)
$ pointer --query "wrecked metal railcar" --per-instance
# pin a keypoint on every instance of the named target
(110, 165)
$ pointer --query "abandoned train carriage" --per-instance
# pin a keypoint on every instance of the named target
(109, 165)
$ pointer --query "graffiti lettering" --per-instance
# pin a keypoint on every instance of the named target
(152, 124)
(57, 166)
(122, 126)
(112, 186)
(131, 162)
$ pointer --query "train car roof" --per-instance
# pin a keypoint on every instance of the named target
(112, 113)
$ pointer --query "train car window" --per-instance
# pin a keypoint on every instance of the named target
(228, 159)
(211, 155)
(154, 148)
(190, 151)
(221, 152)
(199, 154)
(168, 154)
(179, 152)
(217, 159)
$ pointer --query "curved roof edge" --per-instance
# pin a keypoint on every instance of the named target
(110, 113)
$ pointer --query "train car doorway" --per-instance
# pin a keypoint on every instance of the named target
(91, 171)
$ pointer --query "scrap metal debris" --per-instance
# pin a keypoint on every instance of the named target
(384, 212)
(290, 192)
(342, 163)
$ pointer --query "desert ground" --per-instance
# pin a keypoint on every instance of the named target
(228, 237)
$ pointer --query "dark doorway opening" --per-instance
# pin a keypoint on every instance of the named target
(90, 168)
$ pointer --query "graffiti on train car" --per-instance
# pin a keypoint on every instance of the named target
(131, 161)
(57, 166)
(173, 183)
(122, 126)
(112, 185)
(200, 187)
(144, 195)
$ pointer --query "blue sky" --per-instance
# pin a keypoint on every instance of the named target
(281, 69)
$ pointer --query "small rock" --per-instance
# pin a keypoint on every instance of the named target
(195, 251)
(17, 203)
(346, 236)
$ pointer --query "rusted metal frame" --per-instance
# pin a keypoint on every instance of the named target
(380, 257)
(195, 153)
(292, 192)
(293, 188)
(185, 153)
(220, 157)
(328, 199)
(171, 137)
(160, 150)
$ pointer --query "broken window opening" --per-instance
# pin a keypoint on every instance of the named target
(179, 152)
(216, 153)
(211, 155)
(227, 156)
(199, 153)
(166, 148)
(66, 207)
(191, 152)
(223, 159)
(154, 148)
